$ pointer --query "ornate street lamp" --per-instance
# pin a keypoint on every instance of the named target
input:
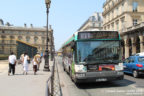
(46, 66)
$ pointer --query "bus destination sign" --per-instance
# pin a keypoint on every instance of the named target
(98, 35)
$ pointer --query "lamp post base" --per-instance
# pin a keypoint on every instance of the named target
(46, 66)
(46, 69)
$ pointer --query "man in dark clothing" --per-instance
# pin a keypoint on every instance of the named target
(12, 63)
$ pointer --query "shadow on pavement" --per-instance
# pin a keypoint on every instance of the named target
(31, 74)
(140, 77)
(109, 84)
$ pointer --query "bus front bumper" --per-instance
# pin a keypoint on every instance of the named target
(98, 76)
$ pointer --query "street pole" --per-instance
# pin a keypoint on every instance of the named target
(46, 66)
(51, 45)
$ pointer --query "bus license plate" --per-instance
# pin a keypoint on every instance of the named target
(102, 79)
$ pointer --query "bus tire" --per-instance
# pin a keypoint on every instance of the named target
(63, 67)
(70, 72)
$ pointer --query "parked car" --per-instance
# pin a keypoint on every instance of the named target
(134, 65)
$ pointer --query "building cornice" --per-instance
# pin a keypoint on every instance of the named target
(12, 28)
(106, 2)
(133, 29)
(112, 7)
(114, 19)
(122, 15)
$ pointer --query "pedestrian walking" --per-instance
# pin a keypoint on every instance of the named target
(26, 60)
(38, 58)
(41, 55)
(21, 59)
(35, 63)
(12, 63)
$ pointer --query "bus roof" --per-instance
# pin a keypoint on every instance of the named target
(74, 37)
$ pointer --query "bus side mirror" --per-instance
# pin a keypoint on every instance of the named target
(72, 45)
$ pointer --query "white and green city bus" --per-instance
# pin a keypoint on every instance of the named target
(93, 56)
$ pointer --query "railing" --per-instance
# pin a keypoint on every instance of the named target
(57, 86)
(135, 26)
(132, 27)
(50, 82)
(53, 87)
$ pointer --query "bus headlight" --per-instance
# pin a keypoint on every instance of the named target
(80, 68)
(80, 75)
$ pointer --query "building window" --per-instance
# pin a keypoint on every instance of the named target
(19, 32)
(43, 40)
(3, 32)
(108, 27)
(100, 25)
(135, 6)
(36, 33)
(43, 33)
(93, 24)
(108, 16)
(112, 3)
(27, 33)
(112, 26)
(105, 19)
(12, 37)
(123, 23)
(135, 21)
(112, 14)
(20, 37)
(35, 39)
(11, 32)
(104, 28)
(93, 18)
(117, 11)
(117, 24)
(122, 8)
(27, 38)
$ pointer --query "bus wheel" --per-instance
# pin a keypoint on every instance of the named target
(135, 74)
(70, 72)
(63, 67)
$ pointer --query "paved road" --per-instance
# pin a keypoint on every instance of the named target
(127, 87)
(23, 85)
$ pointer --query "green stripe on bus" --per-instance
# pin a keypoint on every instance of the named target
(73, 68)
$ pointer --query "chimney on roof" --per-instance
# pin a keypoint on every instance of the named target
(7, 24)
(25, 25)
(1, 22)
(31, 25)
(50, 27)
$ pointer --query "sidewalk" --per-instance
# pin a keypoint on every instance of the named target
(24, 85)
(3, 65)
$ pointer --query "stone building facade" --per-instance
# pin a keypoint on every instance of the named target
(94, 22)
(31, 35)
(126, 17)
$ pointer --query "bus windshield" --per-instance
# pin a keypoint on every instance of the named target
(92, 52)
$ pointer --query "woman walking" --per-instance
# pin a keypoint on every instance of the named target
(25, 63)
(36, 63)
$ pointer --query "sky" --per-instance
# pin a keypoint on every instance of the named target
(65, 16)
